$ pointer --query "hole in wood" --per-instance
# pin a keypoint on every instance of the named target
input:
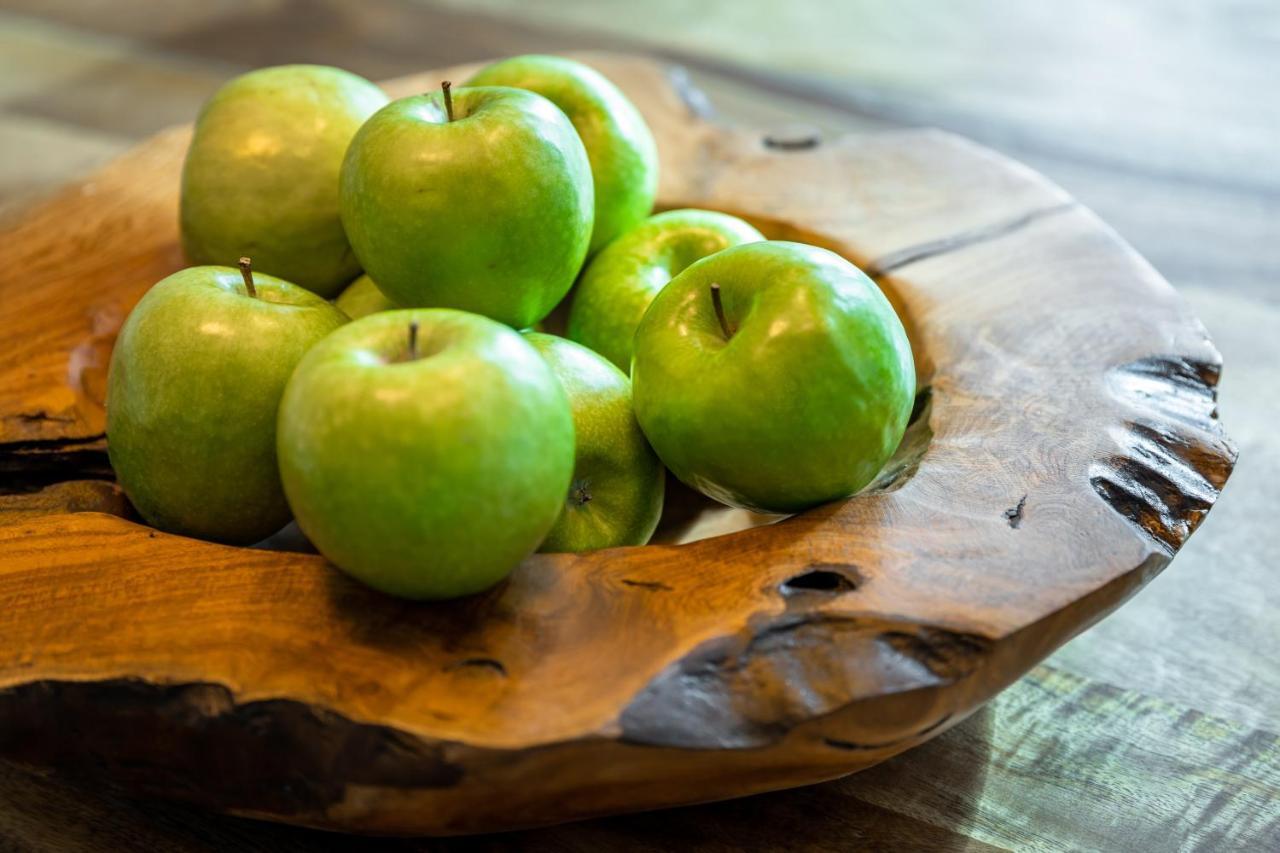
(793, 137)
(822, 579)
(1013, 514)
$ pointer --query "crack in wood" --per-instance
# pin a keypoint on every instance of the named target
(655, 586)
(491, 664)
(42, 416)
(895, 261)
(34, 464)
(95, 441)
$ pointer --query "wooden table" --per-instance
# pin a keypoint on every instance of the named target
(1155, 730)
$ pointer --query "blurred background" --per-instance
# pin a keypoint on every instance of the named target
(1162, 115)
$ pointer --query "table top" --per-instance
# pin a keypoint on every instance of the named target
(1157, 729)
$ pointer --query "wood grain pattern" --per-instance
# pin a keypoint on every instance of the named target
(85, 257)
(1074, 446)
(19, 503)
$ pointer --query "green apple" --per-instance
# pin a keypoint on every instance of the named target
(621, 281)
(615, 497)
(195, 379)
(261, 175)
(362, 298)
(425, 452)
(481, 201)
(773, 376)
(624, 158)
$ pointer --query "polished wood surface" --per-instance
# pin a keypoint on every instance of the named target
(1189, 178)
(1066, 444)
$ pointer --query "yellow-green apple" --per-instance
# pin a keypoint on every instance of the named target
(362, 298)
(615, 497)
(195, 380)
(425, 452)
(261, 175)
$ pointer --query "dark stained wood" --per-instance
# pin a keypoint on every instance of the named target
(1053, 757)
(105, 819)
(1074, 447)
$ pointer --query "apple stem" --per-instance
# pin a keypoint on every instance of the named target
(246, 272)
(413, 340)
(448, 98)
(719, 306)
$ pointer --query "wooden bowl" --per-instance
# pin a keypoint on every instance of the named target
(1065, 446)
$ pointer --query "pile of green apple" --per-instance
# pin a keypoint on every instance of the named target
(425, 436)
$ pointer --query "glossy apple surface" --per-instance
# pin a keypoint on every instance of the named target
(622, 280)
(362, 298)
(802, 401)
(489, 212)
(428, 473)
(261, 175)
(615, 497)
(623, 155)
(195, 379)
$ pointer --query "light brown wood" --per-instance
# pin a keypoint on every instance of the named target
(63, 496)
(1066, 448)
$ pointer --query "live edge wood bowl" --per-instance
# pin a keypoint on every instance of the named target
(1066, 444)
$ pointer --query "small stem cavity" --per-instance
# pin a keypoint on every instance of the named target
(447, 87)
(413, 341)
(719, 306)
(246, 272)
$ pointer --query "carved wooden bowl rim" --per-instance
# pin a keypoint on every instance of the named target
(1075, 445)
